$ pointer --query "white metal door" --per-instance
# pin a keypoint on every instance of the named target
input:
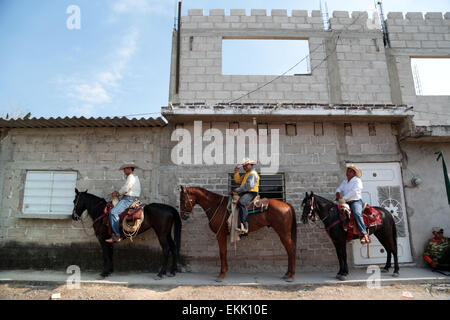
(383, 187)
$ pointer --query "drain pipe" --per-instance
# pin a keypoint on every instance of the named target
(177, 74)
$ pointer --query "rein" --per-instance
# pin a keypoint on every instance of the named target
(93, 223)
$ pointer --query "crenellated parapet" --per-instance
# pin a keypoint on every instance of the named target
(417, 30)
(238, 19)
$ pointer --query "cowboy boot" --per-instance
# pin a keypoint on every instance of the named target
(113, 239)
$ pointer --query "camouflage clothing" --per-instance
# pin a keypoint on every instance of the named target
(436, 248)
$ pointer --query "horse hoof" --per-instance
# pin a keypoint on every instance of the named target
(159, 277)
(384, 270)
(172, 274)
(218, 279)
(396, 274)
(291, 279)
(342, 277)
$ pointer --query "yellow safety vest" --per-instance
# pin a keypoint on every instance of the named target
(243, 180)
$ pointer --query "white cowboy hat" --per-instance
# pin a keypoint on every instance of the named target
(248, 161)
(356, 169)
(129, 165)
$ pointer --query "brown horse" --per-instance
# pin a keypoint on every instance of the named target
(279, 215)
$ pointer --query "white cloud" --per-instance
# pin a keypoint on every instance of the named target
(90, 94)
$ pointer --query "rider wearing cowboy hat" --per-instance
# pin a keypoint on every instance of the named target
(248, 190)
(130, 191)
(350, 192)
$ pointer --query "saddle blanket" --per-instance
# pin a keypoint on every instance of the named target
(371, 217)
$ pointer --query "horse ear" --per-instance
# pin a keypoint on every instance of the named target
(182, 188)
(306, 195)
(312, 193)
(86, 191)
(76, 191)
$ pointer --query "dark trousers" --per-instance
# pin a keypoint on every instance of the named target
(245, 199)
(444, 261)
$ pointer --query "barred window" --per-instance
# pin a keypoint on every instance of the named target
(49, 192)
(270, 185)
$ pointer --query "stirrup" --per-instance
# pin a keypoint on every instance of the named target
(363, 240)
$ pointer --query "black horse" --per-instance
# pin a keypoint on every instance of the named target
(160, 217)
(386, 233)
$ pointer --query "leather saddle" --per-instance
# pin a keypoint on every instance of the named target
(371, 217)
(258, 203)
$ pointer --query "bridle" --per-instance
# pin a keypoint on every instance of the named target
(186, 198)
(312, 214)
(75, 215)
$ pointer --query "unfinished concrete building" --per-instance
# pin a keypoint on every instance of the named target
(356, 105)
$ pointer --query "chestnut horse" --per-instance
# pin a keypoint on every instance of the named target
(279, 215)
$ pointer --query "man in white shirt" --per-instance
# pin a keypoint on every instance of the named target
(130, 192)
(350, 192)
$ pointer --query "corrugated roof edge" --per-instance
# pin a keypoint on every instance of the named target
(82, 122)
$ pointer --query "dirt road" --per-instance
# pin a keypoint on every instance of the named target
(36, 291)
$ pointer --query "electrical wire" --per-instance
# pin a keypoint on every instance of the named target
(338, 33)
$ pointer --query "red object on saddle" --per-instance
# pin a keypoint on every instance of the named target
(371, 217)
(130, 214)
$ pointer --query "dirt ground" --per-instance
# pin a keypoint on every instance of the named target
(36, 291)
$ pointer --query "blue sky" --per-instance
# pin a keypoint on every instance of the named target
(118, 62)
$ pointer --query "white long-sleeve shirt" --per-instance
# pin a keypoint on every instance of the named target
(350, 190)
(132, 186)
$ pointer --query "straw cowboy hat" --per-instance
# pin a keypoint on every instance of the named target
(129, 165)
(356, 169)
(248, 161)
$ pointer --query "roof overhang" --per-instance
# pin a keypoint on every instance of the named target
(287, 112)
(436, 133)
(82, 122)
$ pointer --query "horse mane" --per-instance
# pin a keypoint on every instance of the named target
(93, 196)
(324, 199)
(210, 193)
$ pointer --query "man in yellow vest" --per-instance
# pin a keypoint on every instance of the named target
(248, 190)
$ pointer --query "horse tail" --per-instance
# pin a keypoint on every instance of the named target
(177, 229)
(394, 232)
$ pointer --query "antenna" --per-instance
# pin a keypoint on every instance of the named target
(325, 18)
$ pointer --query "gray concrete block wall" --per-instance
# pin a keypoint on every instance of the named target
(201, 58)
(414, 35)
(309, 162)
(427, 204)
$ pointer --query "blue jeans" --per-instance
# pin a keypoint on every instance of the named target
(245, 199)
(357, 207)
(120, 207)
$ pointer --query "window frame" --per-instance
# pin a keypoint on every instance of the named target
(50, 213)
(282, 185)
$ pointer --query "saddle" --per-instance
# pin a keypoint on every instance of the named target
(133, 213)
(371, 217)
(257, 205)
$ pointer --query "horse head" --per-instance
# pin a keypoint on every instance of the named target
(78, 205)
(308, 206)
(187, 203)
